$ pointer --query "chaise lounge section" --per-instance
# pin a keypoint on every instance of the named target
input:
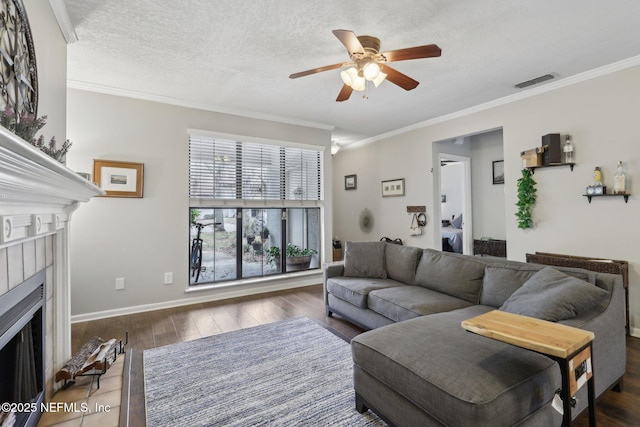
(417, 366)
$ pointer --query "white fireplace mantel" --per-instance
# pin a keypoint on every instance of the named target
(29, 177)
(37, 193)
(37, 197)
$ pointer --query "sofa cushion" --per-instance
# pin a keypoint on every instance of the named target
(407, 302)
(458, 375)
(450, 273)
(355, 290)
(503, 278)
(364, 259)
(401, 262)
(553, 295)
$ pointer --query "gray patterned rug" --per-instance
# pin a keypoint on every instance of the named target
(288, 373)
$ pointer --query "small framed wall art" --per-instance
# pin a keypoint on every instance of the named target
(350, 182)
(498, 171)
(119, 179)
(393, 188)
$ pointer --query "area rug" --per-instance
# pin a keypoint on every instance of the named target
(288, 373)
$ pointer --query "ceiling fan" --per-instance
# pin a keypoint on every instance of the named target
(368, 64)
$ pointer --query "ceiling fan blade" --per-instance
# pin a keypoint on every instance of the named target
(427, 51)
(397, 78)
(316, 70)
(345, 93)
(350, 41)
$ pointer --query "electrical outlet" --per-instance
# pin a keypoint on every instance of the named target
(120, 283)
(168, 278)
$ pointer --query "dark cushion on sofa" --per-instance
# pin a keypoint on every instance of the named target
(504, 278)
(553, 295)
(364, 259)
(401, 262)
(406, 302)
(355, 290)
(450, 273)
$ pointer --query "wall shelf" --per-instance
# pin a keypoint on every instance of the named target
(533, 168)
(589, 196)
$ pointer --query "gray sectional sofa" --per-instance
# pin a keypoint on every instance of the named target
(416, 365)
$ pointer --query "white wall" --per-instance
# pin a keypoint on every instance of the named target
(601, 114)
(452, 186)
(51, 60)
(141, 239)
(373, 164)
(488, 199)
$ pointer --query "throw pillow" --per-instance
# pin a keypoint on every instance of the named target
(552, 295)
(503, 278)
(453, 274)
(401, 262)
(457, 222)
(364, 259)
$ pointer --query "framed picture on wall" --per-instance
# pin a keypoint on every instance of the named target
(119, 179)
(393, 188)
(350, 182)
(498, 171)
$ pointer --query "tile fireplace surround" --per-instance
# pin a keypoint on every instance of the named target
(37, 198)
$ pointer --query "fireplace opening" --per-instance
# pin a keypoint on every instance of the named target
(22, 351)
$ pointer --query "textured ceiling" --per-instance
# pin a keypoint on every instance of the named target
(235, 56)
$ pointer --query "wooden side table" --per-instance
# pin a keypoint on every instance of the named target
(570, 347)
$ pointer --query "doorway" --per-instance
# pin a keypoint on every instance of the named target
(456, 211)
(482, 199)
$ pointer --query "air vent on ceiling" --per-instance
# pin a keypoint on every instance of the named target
(534, 81)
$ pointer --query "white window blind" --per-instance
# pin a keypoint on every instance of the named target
(225, 169)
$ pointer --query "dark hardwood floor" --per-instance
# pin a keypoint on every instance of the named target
(162, 327)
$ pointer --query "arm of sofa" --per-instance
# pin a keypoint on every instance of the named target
(334, 269)
(609, 345)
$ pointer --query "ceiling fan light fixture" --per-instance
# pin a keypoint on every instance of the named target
(371, 70)
(368, 64)
(359, 84)
(379, 79)
(349, 75)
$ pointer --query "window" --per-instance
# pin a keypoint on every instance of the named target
(239, 240)
(242, 243)
(224, 169)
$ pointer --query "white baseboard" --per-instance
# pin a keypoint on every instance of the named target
(221, 293)
(635, 332)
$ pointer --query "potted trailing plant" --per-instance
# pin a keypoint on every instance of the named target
(298, 258)
(273, 257)
(526, 199)
(194, 216)
(250, 231)
(257, 244)
(264, 234)
(26, 125)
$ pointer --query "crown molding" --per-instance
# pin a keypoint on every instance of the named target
(91, 87)
(64, 21)
(548, 87)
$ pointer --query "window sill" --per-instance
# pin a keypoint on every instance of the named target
(254, 281)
